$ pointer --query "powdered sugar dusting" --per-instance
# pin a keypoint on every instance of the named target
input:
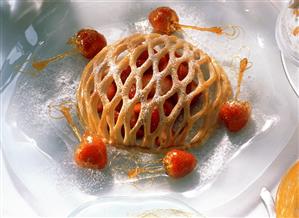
(59, 81)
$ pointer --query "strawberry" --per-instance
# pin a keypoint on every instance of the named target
(91, 152)
(178, 163)
(89, 42)
(235, 114)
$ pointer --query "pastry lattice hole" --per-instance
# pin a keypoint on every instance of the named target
(179, 52)
(147, 76)
(166, 84)
(213, 92)
(116, 114)
(108, 129)
(111, 90)
(174, 98)
(205, 71)
(157, 141)
(142, 58)
(191, 87)
(183, 70)
(151, 93)
(182, 129)
(99, 107)
(119, 106)
(196, 127)
(135, 115)
(163, 62)
(125, 74)
(168, 106)
(122, 131)
(160, 140)
(132, 90)
(103, 72)
(178, 121)
(140, 132)
(196, 104)
(155, 119)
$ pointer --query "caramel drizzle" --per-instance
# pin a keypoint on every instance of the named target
(296, 12)
(65, 108)
(133, 173)
(66, 113)
(42, 64)
(216, 30)
(243, 68)
(296, 31)
(149, 168)
(231, 31)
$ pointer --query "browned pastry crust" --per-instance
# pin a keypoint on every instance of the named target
(184, 127)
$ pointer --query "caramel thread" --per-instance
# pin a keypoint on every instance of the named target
(42, 64)
(296, 31)
(65, 108)
(133, 173)
(232, 31)
(243, 67)
(66, 112)
(216, 30)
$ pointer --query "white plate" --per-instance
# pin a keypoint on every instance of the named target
(39, 149)
(158, 207)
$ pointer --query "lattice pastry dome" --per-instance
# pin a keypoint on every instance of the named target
(152, 92)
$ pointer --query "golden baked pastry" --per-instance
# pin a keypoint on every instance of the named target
(152, 92)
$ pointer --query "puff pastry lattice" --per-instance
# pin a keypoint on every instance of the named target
(188, 124)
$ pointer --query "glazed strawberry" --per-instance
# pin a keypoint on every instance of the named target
(92, 152)
(90, 42)
(178, 163)
(235, 114)
(164, 20)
